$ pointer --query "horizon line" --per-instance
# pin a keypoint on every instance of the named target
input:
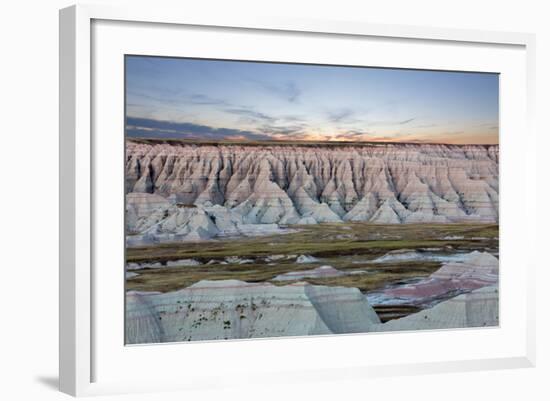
(295, 142)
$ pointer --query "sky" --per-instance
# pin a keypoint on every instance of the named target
(200, 99)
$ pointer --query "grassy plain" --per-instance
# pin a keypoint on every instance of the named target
(345, 246)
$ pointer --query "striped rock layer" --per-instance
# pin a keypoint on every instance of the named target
(388, 183)
(230, 309)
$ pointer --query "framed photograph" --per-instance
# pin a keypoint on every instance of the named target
(274, 198)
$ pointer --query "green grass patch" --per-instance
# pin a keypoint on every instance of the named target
(338, 245)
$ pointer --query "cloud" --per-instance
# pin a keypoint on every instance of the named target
(176, 98)
(340, 116)
(354, 135)
(165, 98)
(426, 126)
(387, 123)
(355, 132)
(150, 128)
(288, 91)
(129, 104)
(293, 118)
(198, 98)
(279, 131)
(249, 113)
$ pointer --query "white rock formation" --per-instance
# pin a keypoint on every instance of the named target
(363, 210)
(306, 259)
(474, 270)
(478, 308)
(152, 218)
(182, 263)
(477, 266)
(138, 266)
(408, 255)
(143, 210)
(304, 184)
(229, 309)
(238, 261)
(319, 272)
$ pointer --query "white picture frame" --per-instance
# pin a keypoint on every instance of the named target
(81, 344)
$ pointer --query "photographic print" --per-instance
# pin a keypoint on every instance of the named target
(269, 199)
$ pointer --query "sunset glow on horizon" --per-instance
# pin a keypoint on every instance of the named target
(197, 99)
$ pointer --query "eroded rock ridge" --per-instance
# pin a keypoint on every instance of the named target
(175, 185)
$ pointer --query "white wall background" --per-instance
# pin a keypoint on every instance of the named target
(29, 186)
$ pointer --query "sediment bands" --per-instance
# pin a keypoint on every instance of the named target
(306, 184)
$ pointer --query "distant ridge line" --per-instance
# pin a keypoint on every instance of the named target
(172, 141)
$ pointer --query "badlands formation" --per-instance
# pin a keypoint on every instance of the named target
(231, 309)
(320, 278)
(190, 192)
(214, 310)
(478, 308)
(473, 271)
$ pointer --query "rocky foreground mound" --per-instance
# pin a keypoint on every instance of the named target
(478, 308)
(230, 309)
(475, 270)
(198, 191)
